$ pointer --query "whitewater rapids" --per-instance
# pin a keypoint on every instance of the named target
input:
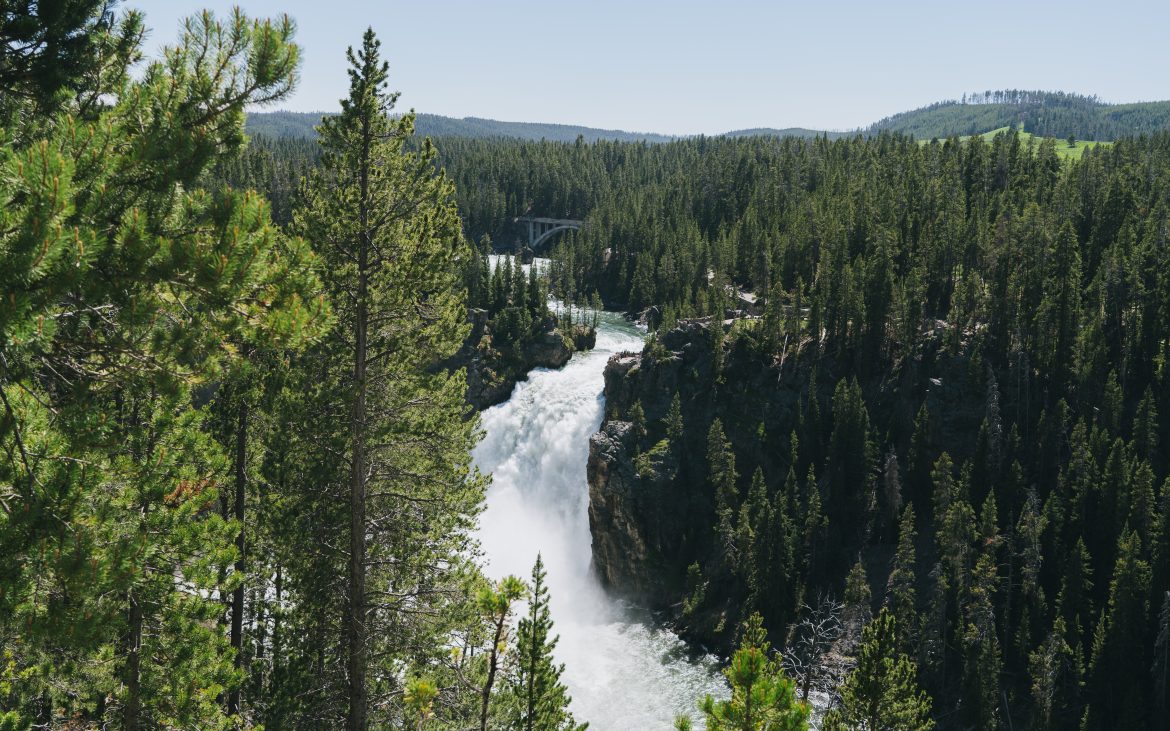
(624, 671)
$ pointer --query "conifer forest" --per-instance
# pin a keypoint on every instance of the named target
(880, 437)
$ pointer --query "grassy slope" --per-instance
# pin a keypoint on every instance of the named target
(1062, 148)
(1072, 153)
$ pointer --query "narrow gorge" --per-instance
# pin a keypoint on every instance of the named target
(624, 669)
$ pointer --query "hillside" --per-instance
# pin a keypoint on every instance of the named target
(802, 132)
(300, 125)
(1046, 114)
(1038, 113)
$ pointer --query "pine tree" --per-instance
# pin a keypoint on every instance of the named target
(882, 693)
(391, 241)
(1074, 603)
(814, 529)
(494, 604)
(419, 700)
(722, 478)
(1058, 315)
(673, 423)
(638, 423)
(125, 287)
(955, 526)
(1056, 680)
(1161, 668)
(776, 545)
(901, 596)
(850, 497)
(981, 654)
(1145, 427)
(754, 517)
(762, 698)
(1119, 673)
(539, 700)
(49, 47)
(857, 602)
(920, 461)
(1160, 541)
(891, 488)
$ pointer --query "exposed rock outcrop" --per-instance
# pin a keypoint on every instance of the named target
(642, 490)
(550, 349)
(494, 368)
(630, 515)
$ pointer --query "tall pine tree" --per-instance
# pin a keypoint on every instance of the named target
(538, 699)
(391, 241)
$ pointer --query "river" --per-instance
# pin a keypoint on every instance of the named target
(624, 671)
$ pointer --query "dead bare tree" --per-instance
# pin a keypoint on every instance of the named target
(810, 640)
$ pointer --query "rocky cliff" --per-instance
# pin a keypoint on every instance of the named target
(641, 492)
(494, 367)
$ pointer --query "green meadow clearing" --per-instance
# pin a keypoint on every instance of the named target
(1062, 147)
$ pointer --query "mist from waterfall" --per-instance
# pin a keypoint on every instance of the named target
(624, 671)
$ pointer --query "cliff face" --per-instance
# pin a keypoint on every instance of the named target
(643, 493)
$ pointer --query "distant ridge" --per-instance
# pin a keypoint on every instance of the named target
(802, 132)
(1040, 113)
(301, 124)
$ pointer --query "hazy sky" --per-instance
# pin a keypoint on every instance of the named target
(688, 67)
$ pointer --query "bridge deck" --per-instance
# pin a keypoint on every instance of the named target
(549, 221)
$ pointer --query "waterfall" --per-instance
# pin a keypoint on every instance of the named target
(624, 671)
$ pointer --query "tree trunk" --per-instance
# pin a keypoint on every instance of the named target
(356, 630)
(356, 635)
(132, 712)
(533, 650)
(237, 635)
(276, 679)
(491, 678)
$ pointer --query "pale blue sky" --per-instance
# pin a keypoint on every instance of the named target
(686, 67)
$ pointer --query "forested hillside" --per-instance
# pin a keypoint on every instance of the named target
(955, 396)
(300, 125)
(1046, 114)
(1058, 115)
(952, 406)
(949, 399)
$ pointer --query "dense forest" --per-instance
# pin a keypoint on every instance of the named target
(952, 402)
(899, 431)
(302, 125)
(950, 399)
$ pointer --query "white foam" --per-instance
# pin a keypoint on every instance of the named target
(624, 672)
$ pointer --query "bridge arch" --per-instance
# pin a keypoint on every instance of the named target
(535, 245)
(541, 230)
